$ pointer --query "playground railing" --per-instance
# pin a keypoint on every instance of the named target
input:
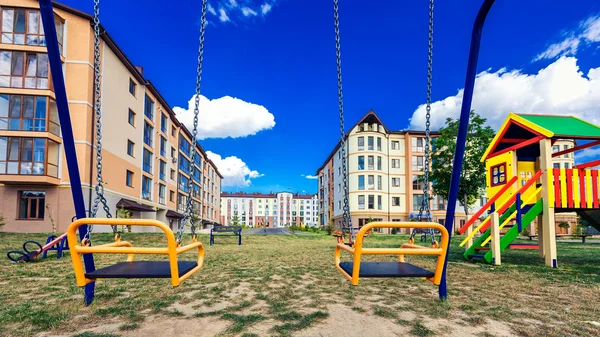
(575, 188)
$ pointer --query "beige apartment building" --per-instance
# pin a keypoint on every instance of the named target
(146, 150)
(384, 168)
(270, 209)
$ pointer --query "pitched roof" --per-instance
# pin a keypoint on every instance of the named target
(522, 131)
(564, 126)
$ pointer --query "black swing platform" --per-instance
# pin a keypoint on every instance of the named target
(141, 269)
(387, 269)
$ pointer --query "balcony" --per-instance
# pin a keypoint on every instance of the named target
(25, 160)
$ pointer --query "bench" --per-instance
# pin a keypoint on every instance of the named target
(234, 230)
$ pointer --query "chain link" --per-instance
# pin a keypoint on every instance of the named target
(346, 219)
(425, 203)
(187, 215)
(99, 188)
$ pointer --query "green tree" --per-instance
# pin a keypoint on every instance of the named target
(235, 220)
(124, 214)
(472, 178)
(2, 220)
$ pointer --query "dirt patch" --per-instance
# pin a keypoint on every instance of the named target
(181, 327)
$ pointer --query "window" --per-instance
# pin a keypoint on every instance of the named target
(163, 123)
(379, 203)
(184, 146)
(379, 183)
(24, 26)
(184, 183)
(24, 70)
(395, 201)
(417, 163)
(555, 148)
(339, 187)
(147, 161)
(161, 194)
(370, 143)
(149, 107)
(395, 182)
(171, 196)
(163, 146)
(567, 155)
(417, 201)
(361, 182)
(395, 145)
(148, 134)
(371, 202)
(173, 130)
(31, 205)
(361, 143)
(371, 162)
(378, 143)
(361, 202)
(371, 182)
(417, 144)
(130, 146)
(379, 163)
(184, 165)
(131, 117)
(146, 188)
(498, 174)
(172, 174)
(395, 163)
(417, 183)
(129, 178)
(28, 113)
(361, 162)
(162, 169)
(172, 152)
(132, 86)
(339, 207)
(567, 165)
(439, 204)
(29, 156)
(339, 171)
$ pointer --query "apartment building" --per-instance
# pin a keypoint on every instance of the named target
(384, 176)
(146, 150)
(269, 210)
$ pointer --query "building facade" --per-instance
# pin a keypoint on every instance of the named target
(269, 210)
(385, 170)
(146, 150)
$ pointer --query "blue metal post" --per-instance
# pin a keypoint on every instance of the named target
(519, 213)
(462, 130)
(66, 128)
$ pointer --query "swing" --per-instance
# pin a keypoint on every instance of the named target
(356, 268)
(174, 269)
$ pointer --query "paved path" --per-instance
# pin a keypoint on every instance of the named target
(272, 231)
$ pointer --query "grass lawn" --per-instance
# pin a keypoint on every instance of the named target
(288, 285)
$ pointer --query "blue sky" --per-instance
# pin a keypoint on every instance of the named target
(270, 107)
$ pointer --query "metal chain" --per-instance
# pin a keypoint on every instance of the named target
(187, 215)
(425, 203)
(346, 220)
(98, 114)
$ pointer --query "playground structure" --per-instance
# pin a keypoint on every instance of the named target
(53, 243)
(523, 185)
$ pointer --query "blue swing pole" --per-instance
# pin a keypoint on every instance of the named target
(66, 128)
(463, 127)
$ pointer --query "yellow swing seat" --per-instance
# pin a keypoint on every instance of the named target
(356, 269)
(176, 270)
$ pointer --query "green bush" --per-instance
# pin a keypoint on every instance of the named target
(525, 232)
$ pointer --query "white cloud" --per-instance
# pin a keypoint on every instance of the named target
(223, 15)
(247, 11)
(235, 172)
(265, 8)
(226, 117)
(211, 9)
(592, 152)
(232, 3)
(587, 33)
(308, 176)
(561, 89)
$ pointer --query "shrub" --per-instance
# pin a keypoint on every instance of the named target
(2, 220)
(525, 232)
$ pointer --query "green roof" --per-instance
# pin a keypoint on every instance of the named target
(567, 126)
